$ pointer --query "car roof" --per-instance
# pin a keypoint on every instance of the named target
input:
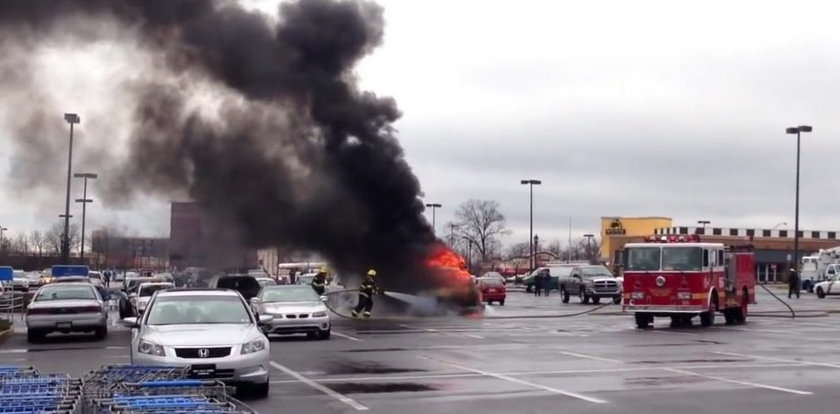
(198, 292)
(65, 284)
(155, 283)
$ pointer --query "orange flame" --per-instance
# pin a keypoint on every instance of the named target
(451, 263)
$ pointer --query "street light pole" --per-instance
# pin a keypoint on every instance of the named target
(434, 206)
(71, 119)
(531, 184)
(589, 237)
(536, 248)
(798, 131)
(84, 200)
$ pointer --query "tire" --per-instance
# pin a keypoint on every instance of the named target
(820, 292)
(616, 300)
(260, 390)
(564, 295)
(324, 335)
(708, 318)
(584, 298)
(34, 336)
(502, 302)
(596, 299)
(100, 333)
(643, 321)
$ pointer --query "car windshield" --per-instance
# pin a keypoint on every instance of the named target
(266, 282)
(595, 271)
(188, 310)
(65, 293)
(643, 258)
(289, 294)
(305, 280)
(682, 258)
(148, 290)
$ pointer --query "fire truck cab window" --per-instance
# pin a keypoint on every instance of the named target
(643, 258)
(720, 257)
(684, 258)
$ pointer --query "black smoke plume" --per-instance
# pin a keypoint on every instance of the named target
(292, 151)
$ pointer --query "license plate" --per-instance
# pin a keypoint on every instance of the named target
(64, 324)
(203, 370)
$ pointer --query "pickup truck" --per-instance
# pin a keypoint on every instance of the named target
(590, 282)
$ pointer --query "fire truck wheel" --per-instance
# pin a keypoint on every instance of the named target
(564, 295)
(643, 321)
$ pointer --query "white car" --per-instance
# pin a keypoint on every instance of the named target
(66, 307)
(213, 331)
(294, 309)
(141, 296)
(828, 287)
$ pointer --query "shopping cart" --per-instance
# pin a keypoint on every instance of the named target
(23, 390)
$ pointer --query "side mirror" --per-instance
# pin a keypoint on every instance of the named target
(131, 323)
(255, 301)
(324, 298)
(264, 319)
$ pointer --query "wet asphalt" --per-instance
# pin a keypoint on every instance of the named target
(526, 358)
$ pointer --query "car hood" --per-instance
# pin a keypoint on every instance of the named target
(66, 303)
(293, 307)
(200, 335)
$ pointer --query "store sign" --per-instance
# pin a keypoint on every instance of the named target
(615, 228)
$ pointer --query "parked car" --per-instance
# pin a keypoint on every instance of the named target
(213, 331)
(555, 271)
(828, 287)
(246, 285)
(66, 307)
(19, 283)
(266, 281)
(140, 297)
(492, 290)
(294, 310)
(591, 282)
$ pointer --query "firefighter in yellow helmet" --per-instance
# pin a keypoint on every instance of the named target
(366, 292)
(319, 282)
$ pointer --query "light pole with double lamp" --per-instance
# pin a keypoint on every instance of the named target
(434, 206)
(84, 200)
(798, 131)
(531, 184)
(71, 119)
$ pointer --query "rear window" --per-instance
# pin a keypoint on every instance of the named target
(238, 283)
(490, 281)
(65, 293)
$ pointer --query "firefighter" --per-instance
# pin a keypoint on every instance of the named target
(366, 291)
(793, 284)
(319, 282)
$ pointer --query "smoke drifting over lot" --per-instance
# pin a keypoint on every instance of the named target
(283, 142)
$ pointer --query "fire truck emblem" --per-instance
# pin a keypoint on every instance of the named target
(660, 281)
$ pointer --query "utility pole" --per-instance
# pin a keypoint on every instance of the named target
(84, 200)
(570, 239)
(531, 184)
(71, 119)
(798, 131)
(589, 237)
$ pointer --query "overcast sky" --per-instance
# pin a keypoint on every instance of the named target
(620, 108)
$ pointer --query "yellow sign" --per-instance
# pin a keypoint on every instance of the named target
(615, 228)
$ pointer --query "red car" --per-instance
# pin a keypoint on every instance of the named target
(492, 289)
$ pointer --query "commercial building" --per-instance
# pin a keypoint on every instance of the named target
(200, 239)
(112, 250)
(614, 230)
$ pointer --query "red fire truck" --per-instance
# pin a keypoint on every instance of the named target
(681, 277)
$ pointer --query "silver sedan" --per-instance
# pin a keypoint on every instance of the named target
(66, 307)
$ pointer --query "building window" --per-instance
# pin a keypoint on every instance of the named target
(733, 232)
(750, 232)
(717, 231)
(815, 235)
(700, 231)
(683, 230)
(767, 233)
(800, 233)
(832, 235)
(783, 233)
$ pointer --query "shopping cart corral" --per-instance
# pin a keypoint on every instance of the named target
(115, 389)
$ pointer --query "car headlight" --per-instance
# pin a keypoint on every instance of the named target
(320, 314)
(253, 346)
(637, 295)
(150, 348)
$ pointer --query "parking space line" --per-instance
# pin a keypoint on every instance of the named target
(326, 390)
(345, 336)
(732, 381)
(790, 361)
(519, 381)
(592, 357)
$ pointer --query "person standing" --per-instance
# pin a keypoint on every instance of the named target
(107, 276)
(319, 282)
(546, 281)
(793, 284)
(538, 284)
(366, 292)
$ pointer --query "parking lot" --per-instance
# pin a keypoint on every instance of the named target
(524, 358)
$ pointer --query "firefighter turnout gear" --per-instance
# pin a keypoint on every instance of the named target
(319, 282)
(366, 291)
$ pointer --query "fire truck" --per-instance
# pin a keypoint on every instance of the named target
(680, 277)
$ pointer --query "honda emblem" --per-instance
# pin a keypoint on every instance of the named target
(203, 353)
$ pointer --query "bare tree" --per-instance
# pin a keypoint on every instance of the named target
(54, 234)
(20, 245)
(521, 249)
(554, 247)
(480, 223)
(37, 242)
(581, 249)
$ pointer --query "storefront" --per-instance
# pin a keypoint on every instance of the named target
(615, 231)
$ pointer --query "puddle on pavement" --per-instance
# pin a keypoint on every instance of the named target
(655, 381)
(348, 368)
(377, 388)
(692, 361)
